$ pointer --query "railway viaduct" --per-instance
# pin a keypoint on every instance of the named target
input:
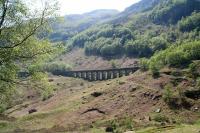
(95, 75)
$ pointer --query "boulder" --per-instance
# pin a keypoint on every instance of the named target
(32, 111)
(158, 110)
(109, 129)
(96, 94)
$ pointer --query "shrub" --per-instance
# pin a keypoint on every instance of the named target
(155, 71)
(144, 65)
(176, 58)
(113, 63)
(160, 118)
(56, 68)
(167, 94)
(175, 100)
(194, 69)
(158, 43)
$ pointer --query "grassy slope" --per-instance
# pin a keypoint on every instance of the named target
(126, 97)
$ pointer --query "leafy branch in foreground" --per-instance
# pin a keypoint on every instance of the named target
(20, 45)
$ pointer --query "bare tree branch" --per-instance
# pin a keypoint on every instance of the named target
(3, 16)
(32, 32)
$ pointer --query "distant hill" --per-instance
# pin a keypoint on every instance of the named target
(70, 25)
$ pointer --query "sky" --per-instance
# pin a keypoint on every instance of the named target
(82, 6)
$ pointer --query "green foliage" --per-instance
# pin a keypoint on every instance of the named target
(22, 44)
(178, 55)
(113, 63)
(155, 71)
(194, 69)
(160, 118)
(176, 58)
(158, 43)
(57, 68)
(122, 125)
(80, 40)
(40, 82)
(110, 50)
(144, 64)
(168, 94)
(171, 11)
(138, 48)
(190, 23)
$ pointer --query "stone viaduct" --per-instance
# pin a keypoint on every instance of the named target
(94, 75)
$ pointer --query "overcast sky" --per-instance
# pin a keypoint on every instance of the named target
(82, 6)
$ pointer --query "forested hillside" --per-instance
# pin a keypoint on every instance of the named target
(145, 31)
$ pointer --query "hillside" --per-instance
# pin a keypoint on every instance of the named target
(141, 33)
(128, 103)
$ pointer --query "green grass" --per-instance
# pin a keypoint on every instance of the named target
(172, 129)
(6, 126)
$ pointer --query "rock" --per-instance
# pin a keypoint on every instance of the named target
(96, 94)
(132, 95)
(158, 111)
(134, 88)
(162, 123)
(147, 118)
(196, 108)
(51, 80)
(156, 97)
(109, 129)
(130, 132)
(32, 111)
(30, 97)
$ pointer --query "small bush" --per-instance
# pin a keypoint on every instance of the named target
(194, 69)
(113, 63)
(144, 66)
(121, 82)
(160, 118)
(3, 125)
(122, 125)
(167, 94)
(155, 71)
(175, 100)
(177, 58)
